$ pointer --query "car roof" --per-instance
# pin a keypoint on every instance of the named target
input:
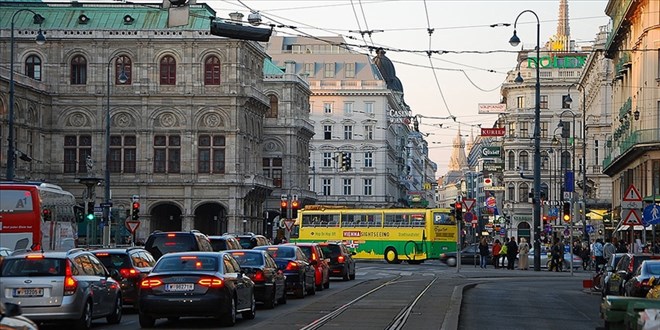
(247, 251)
(119, 250)
(46, 254)
(194, 253)
(226, 236)
(192, 232)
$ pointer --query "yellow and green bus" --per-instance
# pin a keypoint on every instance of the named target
(397, 234)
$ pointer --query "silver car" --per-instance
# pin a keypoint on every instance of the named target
(61, 286)
(546, 259)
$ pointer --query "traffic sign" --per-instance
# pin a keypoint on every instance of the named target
(132, 226)
(632, 194)
(109, 204)
(631, 217)
(631, 204)
(469, 204)
(652, 214)
(288, 223)
(468, 216)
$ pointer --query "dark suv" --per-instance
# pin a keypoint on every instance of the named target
(341, 260)
(160, 242)
(61, 286)
(225, 242)
(133, 264)
(250, 240)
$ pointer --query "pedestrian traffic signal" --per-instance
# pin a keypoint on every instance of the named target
(89, 215)
(459, 210)
(295, 205)
(567, 212)
(284, 206)
(46, 214)
(136, 211)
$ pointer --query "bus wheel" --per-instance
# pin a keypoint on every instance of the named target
(391, 256)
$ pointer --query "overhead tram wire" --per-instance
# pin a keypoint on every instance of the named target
(366, 24)
(357, 20)
(435, 75)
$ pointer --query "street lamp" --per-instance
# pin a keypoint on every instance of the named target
(572, 179)
(515, 41)
(584, 152)
(40, 39)
(106, 206)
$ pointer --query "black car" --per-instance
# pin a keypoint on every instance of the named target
(250, 240)
(638, 285)
(299, 271)
(342, 263)
(224, 243)
(132, 264)
(624, 270)
(269, 281)
(196, 284)
(160, 242)
(469, 256)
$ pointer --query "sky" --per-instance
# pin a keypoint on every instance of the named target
(469, 58)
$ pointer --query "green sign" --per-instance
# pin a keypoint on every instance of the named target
(491, 151)
(556, 62)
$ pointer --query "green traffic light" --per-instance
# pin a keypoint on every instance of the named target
(90, 216)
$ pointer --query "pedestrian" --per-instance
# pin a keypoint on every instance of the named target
(496, 253)
(511, 251)
(523, 252)
(598, 253)
(556, 252)
(483, 252)
(623, 247)
(585, 254)
(609, 249)
(503, 252)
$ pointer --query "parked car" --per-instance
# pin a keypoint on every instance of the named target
(299, 272)
(196, 284)
(250, 240)
(319, 261)
(638, 285)
(161, 242)
(341, 262)
(61, 286)
(624, 270)
(11, 318)
(469, 256)
(602, 276)
(225, 242)
(132, 264)
(269, 281)
(546, 259)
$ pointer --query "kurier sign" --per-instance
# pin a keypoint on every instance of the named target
(491, 151)
(497, 131)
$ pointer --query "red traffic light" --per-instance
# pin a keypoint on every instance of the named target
(136, 205)
(284, 204)
(459, 206)
(295, 204)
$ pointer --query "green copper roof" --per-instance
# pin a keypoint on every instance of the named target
(271, 68)
(102, 16)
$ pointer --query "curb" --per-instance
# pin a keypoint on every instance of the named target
(454, 311)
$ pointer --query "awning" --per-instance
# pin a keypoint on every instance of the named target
(636, 227)
(597, 214)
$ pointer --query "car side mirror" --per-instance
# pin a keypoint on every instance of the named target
(12, 310)
(114, 274)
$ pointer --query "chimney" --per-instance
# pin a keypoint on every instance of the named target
(236, 17)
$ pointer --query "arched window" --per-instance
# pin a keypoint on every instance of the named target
(123, 63)
(523, 193)
(511, 192)
(545, 195)
(212, 70)
(565, 161)
(524, 161)
(78, 70)
(33, 67)
(512, 161)
(167, 70)
(274, 106)
(545, 160)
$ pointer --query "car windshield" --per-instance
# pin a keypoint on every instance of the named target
(281, 252)
(218, 244)
(653, 268)
(248, 258)
(186, 263)
(114, 261)
(331, 250)
(33, 267)
(172, 243)
(246, 242)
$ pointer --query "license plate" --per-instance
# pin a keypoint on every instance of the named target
(29, 292)
(178, 287)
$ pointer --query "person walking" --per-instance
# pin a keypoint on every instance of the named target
(609, 249)
(496, 253)
(511, 251)
(598, 253)
(483, 252)
(503, 251)
(523, 252)
(556, 252)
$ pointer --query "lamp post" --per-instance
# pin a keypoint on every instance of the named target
(572, 178)
(106, 206)
(515, 41)
(584, 152)
(11, 144)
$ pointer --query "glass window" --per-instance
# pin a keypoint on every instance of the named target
(524, 160)
(347, 186)
(309, 69)
(348, 108)
(543, 102)
(212, 70)
(348, 132)
(211, 153)
(123, 63)
(512, 129)
(329, 70)
(76, 151)
(369, 132)
(327, 185)
(78, 70)
(327, 108)
(167, 154)
(368, 159)
(274, 106)
(523, 193)
(368, 187)
(122, 154)
(327, 159)
(512, 161)
(369, 107)
(167, 70)
(524, 129)
(327, 132)
(33, 67)
(349, 70)
(520, 102)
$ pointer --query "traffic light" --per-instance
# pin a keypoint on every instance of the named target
(135, 213)
(89, 215)
(46, 214)
(459, 211)
(295, 205)
(284, 205)
(346, 161)
(567, 212)
(452, 211)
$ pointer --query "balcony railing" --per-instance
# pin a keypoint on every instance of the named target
(634, 140)
(618, 15)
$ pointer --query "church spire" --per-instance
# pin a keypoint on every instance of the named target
(563, 29)
(458, 160)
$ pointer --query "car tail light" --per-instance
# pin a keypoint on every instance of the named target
(314, 257)
(171, 235)
(292, 265)
(129, 272)
(150, 283)
(258, 276)
(340, 259)
(211, 282)
(102, 254)
(35, 256)
(70, 283)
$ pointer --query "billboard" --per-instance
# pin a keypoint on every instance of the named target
(491, 108)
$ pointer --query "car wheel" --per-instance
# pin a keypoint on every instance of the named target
(451, 262)
(269, 302)
(229, 318)
(326, 285)
(302, 290)
(85, 320)
(282, 301)
(249, 315)
(146, 321)
(352, 276)
(115, 317)
(346, 276)
(312, 289)
(391, 256)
